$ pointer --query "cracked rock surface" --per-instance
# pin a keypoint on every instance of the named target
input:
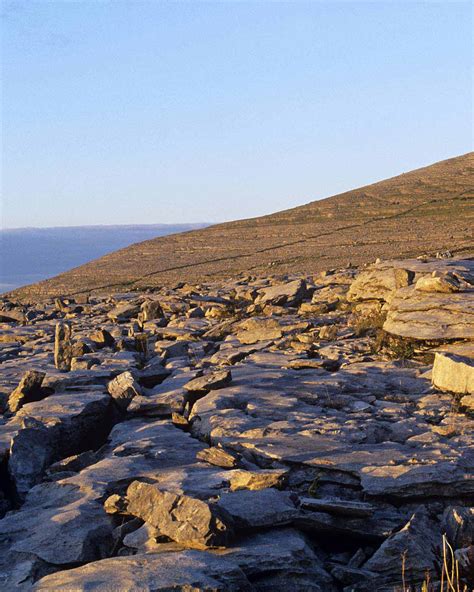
(262, 433)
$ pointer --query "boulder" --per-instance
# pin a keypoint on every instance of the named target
(123, 388)
(55, 428)
(12, 315)
(439, 479)
(186, 520)
(31, 453)
(437, 283)
(28, 390)
(290, 294)
(124, 312)
(431, 315)
(281, 560)
(415, 544)
(453, 373)
(150, 310)
(468, 402)
(338, 507)
(57, 526)
(458, 524)
(102, 338)
(379, 284)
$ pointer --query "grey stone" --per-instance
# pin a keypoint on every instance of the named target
(123, 388)
(28, 390)
(186, 520)
(63, 346)
(161, 572)
(257, 509)
(453, 373)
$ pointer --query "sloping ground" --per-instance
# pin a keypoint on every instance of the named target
(426, 210)
(242, 436)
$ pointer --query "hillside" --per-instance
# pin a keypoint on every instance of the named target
(426, 210)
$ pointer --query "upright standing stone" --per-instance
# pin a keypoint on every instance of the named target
(63, 347)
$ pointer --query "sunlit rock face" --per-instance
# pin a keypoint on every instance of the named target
(289, 432)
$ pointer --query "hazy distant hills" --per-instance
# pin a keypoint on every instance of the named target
(423, 211)
(29, 255)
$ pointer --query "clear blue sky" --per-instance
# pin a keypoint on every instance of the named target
(161, 112)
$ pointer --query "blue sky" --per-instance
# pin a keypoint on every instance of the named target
(162, 112)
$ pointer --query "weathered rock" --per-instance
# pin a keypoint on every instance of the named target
(437, 283)
(281, 560)
(124, 312)
(56, 526)
(123, 389)
(431, 315)
(12, 316)
(209, 382)
(31, 452)
(63, 346)
(290, 294)
(218, 457)
(373, 529)
(161, 572)
(368, 440)
(255, 480)
(102, 338)
(257, 509)
(253, 330)
(28, 390)
(442, 479)
(416, 542)
(379, 284)
(458, 524)
(188, 521)
(62, 425)
(468, 402)
(150, 310)
(453, 373)
(152, 374)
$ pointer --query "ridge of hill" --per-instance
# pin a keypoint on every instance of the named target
(423, 211)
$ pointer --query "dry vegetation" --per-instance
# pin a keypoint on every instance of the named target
(427, 210)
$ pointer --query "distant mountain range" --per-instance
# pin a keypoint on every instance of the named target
(29, 255)
(424, 211)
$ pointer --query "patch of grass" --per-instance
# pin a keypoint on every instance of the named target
(450, 578)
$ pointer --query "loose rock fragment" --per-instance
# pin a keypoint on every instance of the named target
(218, 457)
(186, 520)
(27, 391)
(453, 373)
(123, 388)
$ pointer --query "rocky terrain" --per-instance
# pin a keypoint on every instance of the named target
(263, 433)
(423, 211)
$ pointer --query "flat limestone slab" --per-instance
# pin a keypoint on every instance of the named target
(431, 315)
(453, 373)
(189, 570)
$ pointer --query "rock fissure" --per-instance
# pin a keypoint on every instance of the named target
(261, 442)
